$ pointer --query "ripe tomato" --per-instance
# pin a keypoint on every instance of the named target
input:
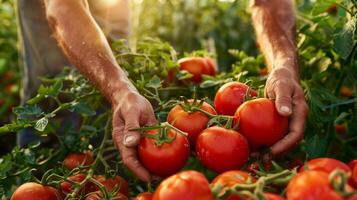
(271, 196)
(193, 123)
(352, 163)
(332, 9)
(166, 159)
(260, 123)
(312, 185)
(66, 187)
(230, 96)
(222, 149)
(187, 185)
(99, 196)
(31, 191)
(197, 66)
(144, 196)
(341, 128)
(230, 178)
(74, 160)
(116, 182)
(326, 165)
(346, 91)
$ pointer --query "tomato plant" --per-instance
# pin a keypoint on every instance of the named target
(188, 185)
(164, 159)
(188, 119)
(260, 123)
(222, 149)
(230, 96)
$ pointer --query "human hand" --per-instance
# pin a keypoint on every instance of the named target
(283, 86)
(131, 111)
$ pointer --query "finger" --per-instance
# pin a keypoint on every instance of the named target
(296, 130)
(283, 97)
(131, 137)
(130, 160)
(118, 132)
(150, 118)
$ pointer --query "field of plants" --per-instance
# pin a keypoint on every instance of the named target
(208, 121)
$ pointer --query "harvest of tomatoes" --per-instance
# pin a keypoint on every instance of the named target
(198, 66)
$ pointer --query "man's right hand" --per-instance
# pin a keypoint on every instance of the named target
(130, 112)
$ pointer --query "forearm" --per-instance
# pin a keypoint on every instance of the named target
(86, 46)
(274, 23)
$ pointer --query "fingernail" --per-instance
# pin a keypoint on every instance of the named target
(285, 109)
(129, 140)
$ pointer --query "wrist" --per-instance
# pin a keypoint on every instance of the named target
(122, 89)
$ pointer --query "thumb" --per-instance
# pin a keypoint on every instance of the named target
(131, 137)
(283, 101)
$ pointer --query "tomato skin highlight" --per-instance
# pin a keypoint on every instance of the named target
(197, 66)
(32, 191)
(99, 196)
(326, 165)
(144, 196)
(75, 160)
(166, 159)
(260, 123)
(230, 96)
(193, 123)
(186, 185)
(311, 185)
(221, 149)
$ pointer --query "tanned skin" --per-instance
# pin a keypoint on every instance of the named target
(86, 47)
(274, 23)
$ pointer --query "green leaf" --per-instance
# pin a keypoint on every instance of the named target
(52, 90)
(27, 110)
(154, 83)
(84, 109)
(182, 75)
(316, 146)
(344, 39)
(41, 124)
(35, 100)
(209, 83)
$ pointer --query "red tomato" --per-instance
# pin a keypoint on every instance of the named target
(311, 185)
(230, 178)
(211, 66)
(197, 66)
(353, 180)
(260, 123)
(346, 91)
(271, 196)
(166, 159)
(354, 197)
(99, 196)
(326, 165)
(66, 187)
(31, 191)
(263, 71)
(74, 160)
(341, 128)
(332, 9)
(193, 123)
(116, 182)
(230, 96)
(352, 163)
(187, 185)
(222, 149)
(144, 196)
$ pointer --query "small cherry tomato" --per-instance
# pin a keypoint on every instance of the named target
(116, 182)
(341, 128)
(99, 196)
